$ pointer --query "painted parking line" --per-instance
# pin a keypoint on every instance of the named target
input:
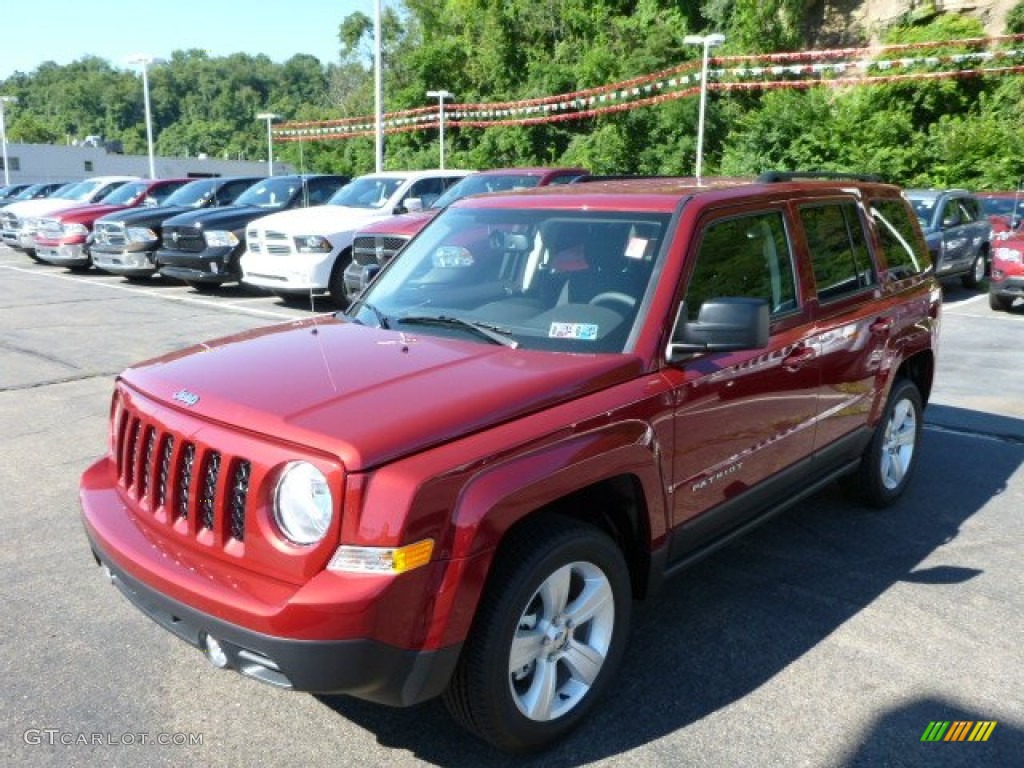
(153, 293)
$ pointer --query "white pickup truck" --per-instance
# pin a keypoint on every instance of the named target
(306, 251)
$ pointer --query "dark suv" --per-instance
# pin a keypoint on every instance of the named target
(957, 230)
(544, 405)
(203, 247)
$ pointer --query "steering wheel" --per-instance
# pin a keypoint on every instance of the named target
(614, 297)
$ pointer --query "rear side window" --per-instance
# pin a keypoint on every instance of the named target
(904, 254)
(839, 252)
(746, 256)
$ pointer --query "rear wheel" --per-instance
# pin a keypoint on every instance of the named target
(549, 633)
(891, 456)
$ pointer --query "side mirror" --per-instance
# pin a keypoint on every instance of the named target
(412, 204)
(950, 221)
(722, 325)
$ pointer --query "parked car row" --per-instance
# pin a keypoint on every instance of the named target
(258, 231)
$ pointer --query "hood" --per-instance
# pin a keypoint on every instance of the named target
(366, 395)
(228, 217)
(41, 207)
(147, 215)
(405, 224)
(321, 219)
(82, 213)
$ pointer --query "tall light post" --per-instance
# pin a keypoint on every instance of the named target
(441, 96)
(144, 61)
(4, 100)
(707, 41)
(270, 117)
(378, 91)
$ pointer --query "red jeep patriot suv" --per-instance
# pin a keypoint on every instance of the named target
(549, 402)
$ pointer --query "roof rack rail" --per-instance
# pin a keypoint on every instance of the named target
(620, 177)
(774, 177)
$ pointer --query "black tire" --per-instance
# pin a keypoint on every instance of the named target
(1000, 303)
(546, 562)
(977, 272)
(891, 456)
(336, 284)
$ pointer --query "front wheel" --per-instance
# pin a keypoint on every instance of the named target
(1000, 303)
(978, 268)
(891, 456)
(549, 633)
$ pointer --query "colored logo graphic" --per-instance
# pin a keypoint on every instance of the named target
(958, 730)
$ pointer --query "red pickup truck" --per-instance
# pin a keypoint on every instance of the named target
(62, 238)
(548, 403)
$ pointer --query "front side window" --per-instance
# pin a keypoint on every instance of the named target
(744, 257)
(571, 281)
(839, 252)
(367, 192)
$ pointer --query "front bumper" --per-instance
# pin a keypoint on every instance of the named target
(363, 668)
(1009, 286)
(130, 263)
(295, 273)
(63, 255)
(213, 265)
(334, 633)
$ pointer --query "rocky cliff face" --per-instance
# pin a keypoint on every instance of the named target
(840, 23)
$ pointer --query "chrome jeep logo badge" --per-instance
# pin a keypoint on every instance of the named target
(186, 397)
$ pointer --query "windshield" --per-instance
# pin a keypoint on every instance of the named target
(572, 281)
(1001, 206)
(126, 194)
(923, 209)
(87, 189)
(194, 194)
(366, 192)
(482, 183)
(70, 191)
(30, 193)
(271, 194)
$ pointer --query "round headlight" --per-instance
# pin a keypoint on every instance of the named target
(302, 503)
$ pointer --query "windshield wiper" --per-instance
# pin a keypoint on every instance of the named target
(494, 333)
(382, 319)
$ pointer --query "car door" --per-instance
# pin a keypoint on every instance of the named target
(743, 420)
(852, 323)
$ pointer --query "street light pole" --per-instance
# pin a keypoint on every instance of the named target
(707, 41)
(144, 61)
(4, 100)
(269, 117)
(441, 96)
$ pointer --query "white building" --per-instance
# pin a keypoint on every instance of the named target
(30, 163)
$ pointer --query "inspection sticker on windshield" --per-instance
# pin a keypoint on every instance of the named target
(582, 331)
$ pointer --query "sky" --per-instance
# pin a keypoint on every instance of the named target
(63, 31)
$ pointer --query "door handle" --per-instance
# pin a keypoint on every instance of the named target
(881, 326)
(797, 358)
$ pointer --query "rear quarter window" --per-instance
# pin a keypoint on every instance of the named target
(904, 253)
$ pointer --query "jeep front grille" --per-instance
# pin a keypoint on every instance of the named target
(182, 481)
(376, 249)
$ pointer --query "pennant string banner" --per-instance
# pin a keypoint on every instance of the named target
(837, 68)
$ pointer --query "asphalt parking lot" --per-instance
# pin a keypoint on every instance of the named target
(832, 636)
